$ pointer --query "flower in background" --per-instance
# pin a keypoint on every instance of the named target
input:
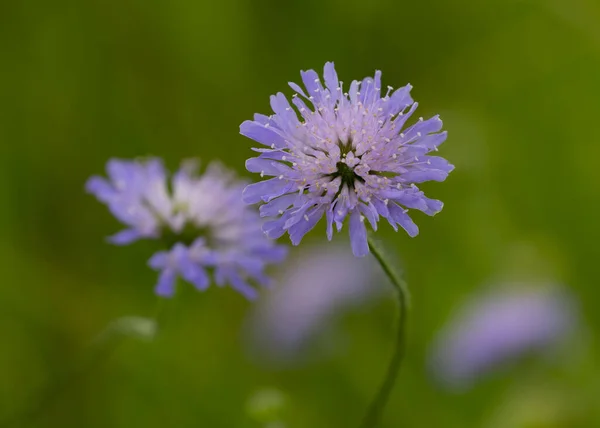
(499, 326)
(346, 154)
(315, 287)
(200, 218)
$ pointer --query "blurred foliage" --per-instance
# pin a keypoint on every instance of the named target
(517, 83)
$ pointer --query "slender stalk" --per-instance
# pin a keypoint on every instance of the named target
(378, 404)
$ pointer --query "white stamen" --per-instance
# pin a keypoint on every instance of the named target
(421, 119)
(280, 177)
(362, 218)
(305, 217)
(386, 201)
(262, 173)
(401, 135)
(418, 134)
(280, 211)
(394, 156)
(283, 158)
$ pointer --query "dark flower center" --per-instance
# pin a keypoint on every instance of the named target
(347, 175)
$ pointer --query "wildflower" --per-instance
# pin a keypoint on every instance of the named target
(346, 154)
(201, 220)
(316, 287)
(500, 326)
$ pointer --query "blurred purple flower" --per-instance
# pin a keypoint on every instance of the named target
(202, 219)
(347, 155)
(315, 287)
(499, 326)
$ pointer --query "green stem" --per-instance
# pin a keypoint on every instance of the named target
(378, 404)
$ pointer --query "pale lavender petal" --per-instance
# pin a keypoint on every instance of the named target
(358, 235)
(261, 134)
(265, 190)
(100, 188)
(242, 286)
(370, 214)
(400, 216)
(278, 205)
(159, 260)
(166, 283)
(331, 80)
(302, 227)
(422, 176)
(194, 274)
(125, 237)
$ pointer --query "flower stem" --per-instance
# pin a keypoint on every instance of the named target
(378, 404)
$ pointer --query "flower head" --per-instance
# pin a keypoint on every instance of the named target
(316, 286)
(345, 154)
(499, 326)
(201, 219)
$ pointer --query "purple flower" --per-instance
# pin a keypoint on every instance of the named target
(315, 287)
(500, 326)
(202, 219)
(345, 154)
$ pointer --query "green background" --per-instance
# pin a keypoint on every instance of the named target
(517, 83)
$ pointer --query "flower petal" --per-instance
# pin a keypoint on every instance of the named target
(166, 283)
(358, 235)
(262, 134)
(400, 216)
(265, 190)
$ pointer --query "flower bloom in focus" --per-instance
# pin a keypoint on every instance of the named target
(498, 327)
(315, 287)
(344, 154)
(200, 219)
